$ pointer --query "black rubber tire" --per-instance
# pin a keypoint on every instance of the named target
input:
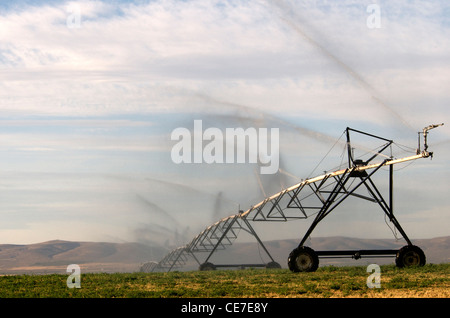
(207, 267)
(410, 255)
(273, 265)
(303, 259)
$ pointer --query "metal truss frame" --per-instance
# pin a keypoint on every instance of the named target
(317, 196)
(216, 237)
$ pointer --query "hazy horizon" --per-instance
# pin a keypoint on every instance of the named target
(90, 92)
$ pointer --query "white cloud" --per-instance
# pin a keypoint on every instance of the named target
(66, 92)
(126, 58)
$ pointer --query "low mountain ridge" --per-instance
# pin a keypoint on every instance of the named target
(55, 256)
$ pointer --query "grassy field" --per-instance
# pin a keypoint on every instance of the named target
(429, 281)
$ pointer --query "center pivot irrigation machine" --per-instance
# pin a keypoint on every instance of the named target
(317, 196)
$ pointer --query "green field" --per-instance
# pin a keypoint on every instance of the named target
(328, 281)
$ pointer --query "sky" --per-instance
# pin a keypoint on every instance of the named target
(90, 92)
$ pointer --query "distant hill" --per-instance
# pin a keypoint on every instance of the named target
(55, 256)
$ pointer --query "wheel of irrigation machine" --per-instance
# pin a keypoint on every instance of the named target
(410, 255)
(207, 267)
(303, 259)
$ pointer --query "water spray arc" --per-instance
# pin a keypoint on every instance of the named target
(317, 196)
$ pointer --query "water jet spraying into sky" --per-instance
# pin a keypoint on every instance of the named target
(292, 19)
